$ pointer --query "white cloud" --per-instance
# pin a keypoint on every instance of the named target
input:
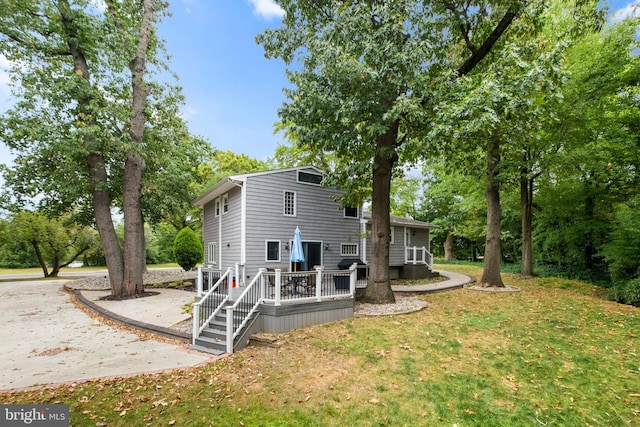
(267, 9)
(632, 9)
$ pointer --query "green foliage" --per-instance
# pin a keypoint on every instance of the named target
(224, 163)
(63, 113)
(595, 163)
(52, 242)
(188, 249)
(622, 254)
(626, 292)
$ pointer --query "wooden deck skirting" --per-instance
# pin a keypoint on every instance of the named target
(283, 318)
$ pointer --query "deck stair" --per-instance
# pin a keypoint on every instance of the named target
(213, 339)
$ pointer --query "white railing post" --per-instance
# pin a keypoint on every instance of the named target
(415, 255)
(319, 269)
(230, 330)
(353, 276)
(263, 285)
(196, 323)
(199, 283)
(278, 285)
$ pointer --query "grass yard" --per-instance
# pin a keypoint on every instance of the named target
(553, 354)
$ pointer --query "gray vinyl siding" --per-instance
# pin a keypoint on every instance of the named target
(209, 228)
(230, 221)
(318, 216)
(231, 225)
(421, 239)
(396, 249)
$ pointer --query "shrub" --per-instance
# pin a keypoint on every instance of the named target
(187, 249)
(626, 292)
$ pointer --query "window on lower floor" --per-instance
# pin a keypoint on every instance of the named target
(212, 253)
(348, 249)
(272, 251)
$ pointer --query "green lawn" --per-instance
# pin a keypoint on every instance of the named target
(553, 354)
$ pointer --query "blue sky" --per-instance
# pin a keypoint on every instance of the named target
(232, 91)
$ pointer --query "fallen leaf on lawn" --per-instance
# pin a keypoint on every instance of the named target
(374, 401)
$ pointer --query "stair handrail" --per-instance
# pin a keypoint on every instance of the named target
(199, 326)
(426, 257)
(232, 332)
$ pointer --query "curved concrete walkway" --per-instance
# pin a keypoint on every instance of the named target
(454, 281)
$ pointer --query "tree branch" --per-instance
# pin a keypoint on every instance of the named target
(495, 35)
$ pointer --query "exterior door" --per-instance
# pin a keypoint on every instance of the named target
(312, 255)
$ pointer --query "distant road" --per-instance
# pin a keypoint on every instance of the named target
(66, 275)
(69, 274)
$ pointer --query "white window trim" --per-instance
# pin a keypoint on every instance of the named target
(284, 203)
(212, 250)
(392, 235)
(217, 207)
(225, 203)
(309, 183)
(266, 250)
(344, 213)
(407, 236)
(343, 253)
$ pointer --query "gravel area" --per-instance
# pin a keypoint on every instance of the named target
(403, 304)
(150, 277)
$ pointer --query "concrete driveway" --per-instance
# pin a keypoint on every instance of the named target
(45, 339)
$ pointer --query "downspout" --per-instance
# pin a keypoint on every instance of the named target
(220, 264)
(363, 240)
(243, 225)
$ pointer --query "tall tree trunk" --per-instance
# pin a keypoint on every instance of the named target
(98, 176)
(134, 243)
(526, 202)
(491, 274)
(104, 222)
(41, 261)
(378, 289)
(448, 245)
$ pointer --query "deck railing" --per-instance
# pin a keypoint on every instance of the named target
(276, 287)
(284, 287)
(418, 255)
(240, 312)
(207, 276)
(211, 302)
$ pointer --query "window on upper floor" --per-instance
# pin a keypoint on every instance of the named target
(350, 212)
(289, 203)
(217, 207)
(309, 178)
(225, 203)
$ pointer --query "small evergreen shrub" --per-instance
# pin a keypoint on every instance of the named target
(187, 249)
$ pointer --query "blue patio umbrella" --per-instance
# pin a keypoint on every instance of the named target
(297, 254)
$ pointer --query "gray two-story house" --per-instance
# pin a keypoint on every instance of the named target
(250, 219)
